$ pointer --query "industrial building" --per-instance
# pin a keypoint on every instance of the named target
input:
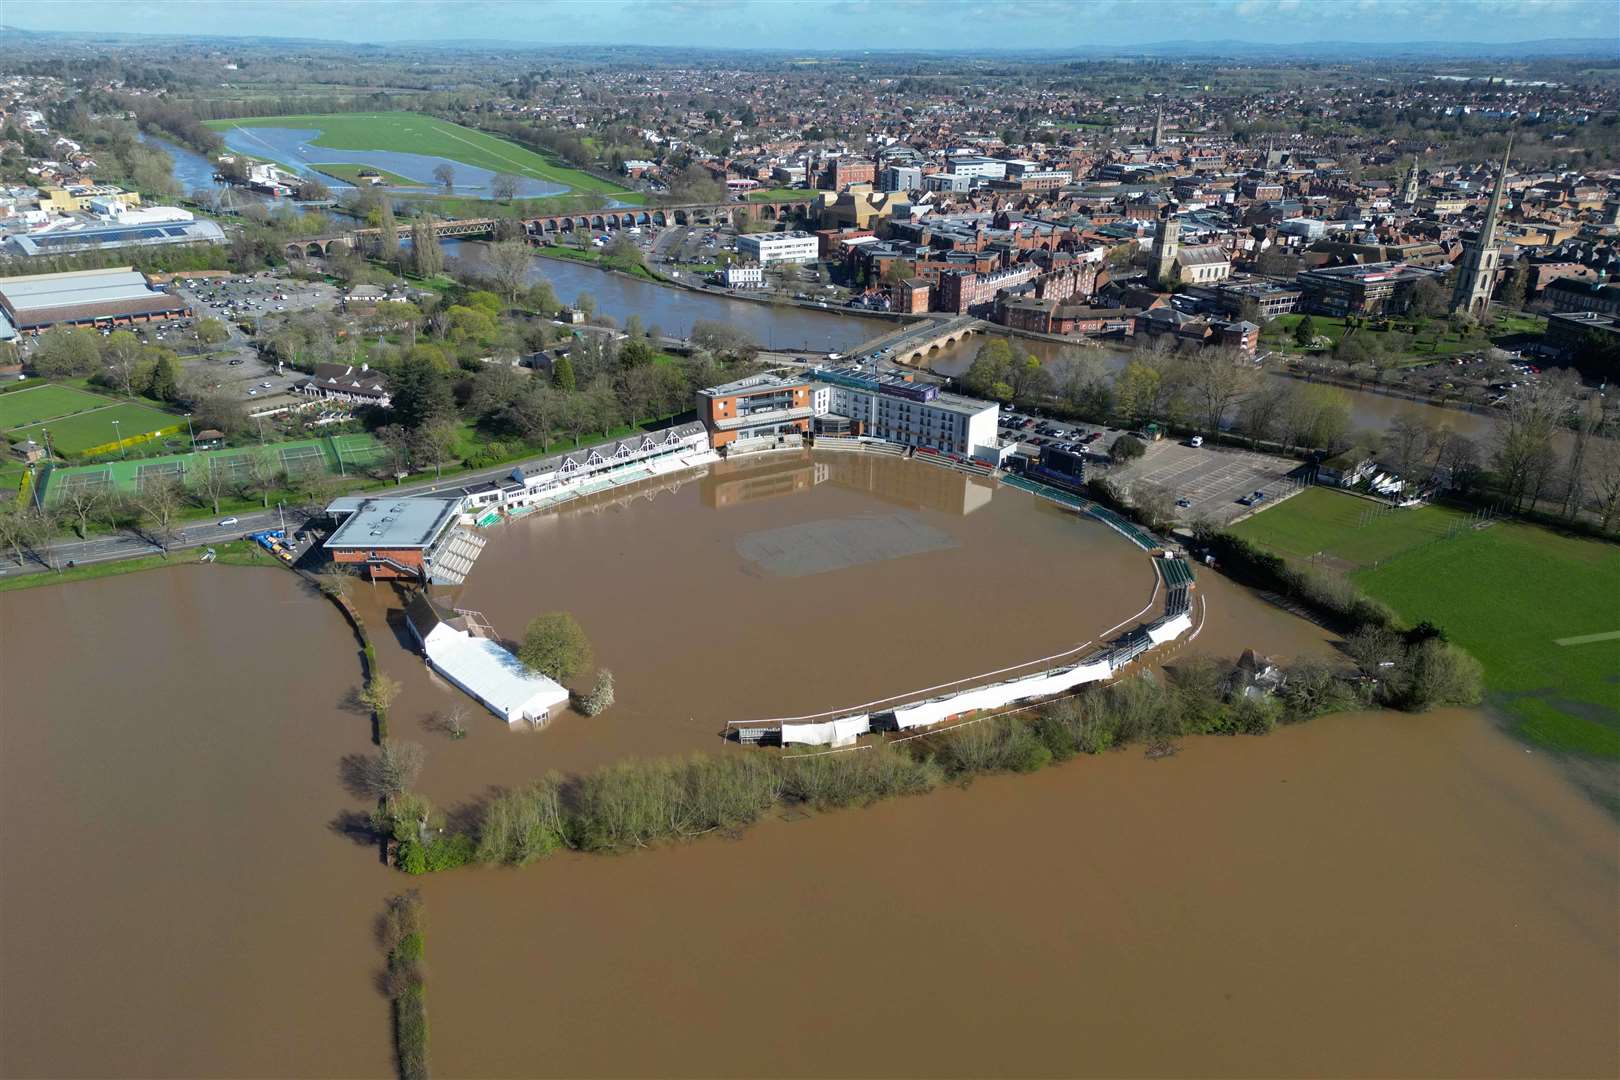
(416, 538)
(67, 241)
(109, 297)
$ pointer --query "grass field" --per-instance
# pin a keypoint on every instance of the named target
(1508, 593)
(45, 402)
(761, 194)
(82, 431)
(351, 174)
(413, 133)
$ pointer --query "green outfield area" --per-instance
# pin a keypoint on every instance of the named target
(1538, 608)
(338, 455)
(46, 401)
(94, 428)
(413, 133)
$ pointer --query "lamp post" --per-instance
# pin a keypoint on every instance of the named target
(118, 437)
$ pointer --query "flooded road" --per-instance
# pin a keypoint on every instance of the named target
(1365, 895)
(172, 902)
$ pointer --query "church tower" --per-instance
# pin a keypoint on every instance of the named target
(1476, 275)
(1409, 191)
(1166, 244)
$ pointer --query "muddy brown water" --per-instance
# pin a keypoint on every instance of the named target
(1371, 894)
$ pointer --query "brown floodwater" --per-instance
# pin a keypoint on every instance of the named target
(171, 899)
(706, 613)
(1370, 894)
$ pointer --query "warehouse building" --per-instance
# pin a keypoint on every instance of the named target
(111, 297)
(139, 233)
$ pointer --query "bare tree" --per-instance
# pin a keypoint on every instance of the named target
(160, 503)
(1407, 447)
(211, 482)
(263, 474)
(435, 443)
(82, 502)
(386, 775)
(445, 174)
(508, 262)
(504, 186)
(1216, 380)
(1588, 419)
(1604, 476)
(335, 581)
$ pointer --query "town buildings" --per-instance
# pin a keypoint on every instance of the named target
(766, 249)
(414, 538)
(759, 406)
(346, 382)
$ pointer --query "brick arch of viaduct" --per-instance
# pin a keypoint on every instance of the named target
(538, 228)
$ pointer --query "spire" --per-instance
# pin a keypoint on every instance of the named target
(1487, 231)
(1158, 127)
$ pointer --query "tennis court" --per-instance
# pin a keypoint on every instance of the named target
(159, 472)
(301, 460)
(91, 481)
(236, 468)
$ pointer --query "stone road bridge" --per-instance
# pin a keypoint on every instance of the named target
(538, 228)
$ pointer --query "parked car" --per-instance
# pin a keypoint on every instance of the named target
(1196, 440)
(226, 522)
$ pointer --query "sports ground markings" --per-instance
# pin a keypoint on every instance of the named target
(1588, 639)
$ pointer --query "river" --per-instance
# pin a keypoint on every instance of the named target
(674, 310)
(1363, 894)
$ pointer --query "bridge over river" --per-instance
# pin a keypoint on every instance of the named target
(548, 225)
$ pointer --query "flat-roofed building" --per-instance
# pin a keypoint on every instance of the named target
(1375, 289)
(760, 406)
(412, 537)
(114, 236)
(112, 296)
(768, 248)
(891, 408)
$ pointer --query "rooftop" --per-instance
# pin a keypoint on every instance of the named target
(38, 291)
(752, 384)
(404, 522)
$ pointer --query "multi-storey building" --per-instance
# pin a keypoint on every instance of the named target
(768, 248)
(1376, 289)
(760, 406)
(912, 414)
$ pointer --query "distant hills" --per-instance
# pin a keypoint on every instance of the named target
(1226, 48)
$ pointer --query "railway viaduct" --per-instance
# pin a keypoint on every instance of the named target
(539, 228)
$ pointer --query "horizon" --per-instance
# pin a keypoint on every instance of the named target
(763, 26)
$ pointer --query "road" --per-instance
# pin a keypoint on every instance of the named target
(197, 534)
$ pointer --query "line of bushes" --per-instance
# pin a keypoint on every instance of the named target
(642, 802)
(400, 932)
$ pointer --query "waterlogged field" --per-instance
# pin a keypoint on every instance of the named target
(404, 133)
(1531, 604)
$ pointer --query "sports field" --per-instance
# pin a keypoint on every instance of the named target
(337, 455)
(45, 402)
(86, 430)
(413, 133)
(1539, 609)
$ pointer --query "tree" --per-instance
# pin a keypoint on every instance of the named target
(555, 645)
(1126, 448)
(562, 374)
(600, 699)
(445, 174)
(420, 390)
(1511, 294)
(211, 332)
(503, 186)
(396, 443)
(1305, 332)
(635, 353)
(160, 502)
(435, 443)
(119, 352)
(508, 262)
(1429, 299)
(164, 383)
(1217, 379)
(334, 581)
(264, 474)
(1137, 389)
(427, 255)
(81, 502)
(210, 482)
(388, 248)
(389, 773)
(66, 353)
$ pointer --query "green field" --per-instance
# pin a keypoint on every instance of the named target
(761, 194)
(413, 133)
(82, 431)
(1507, 592)
(337, 454)
(350, 174)
(45, 402)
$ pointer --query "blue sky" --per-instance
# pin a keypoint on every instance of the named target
(842, 24)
